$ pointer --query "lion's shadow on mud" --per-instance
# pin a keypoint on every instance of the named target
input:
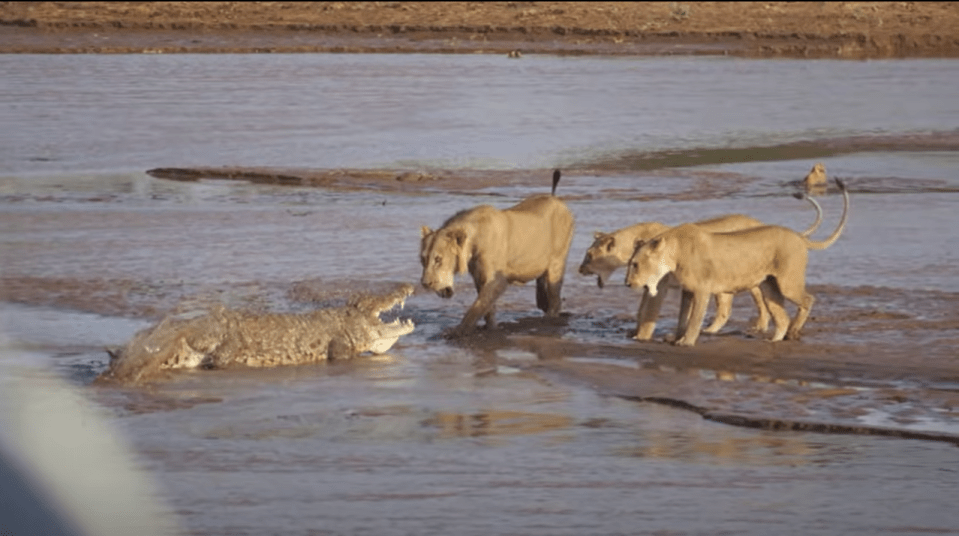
(485, 339)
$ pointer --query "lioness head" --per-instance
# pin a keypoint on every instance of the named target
(816, 176)
(649, 264)
(602, 258)
(443, 253)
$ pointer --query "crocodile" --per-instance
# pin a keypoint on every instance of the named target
(222, 337)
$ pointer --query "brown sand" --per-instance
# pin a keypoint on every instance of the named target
(794, 29)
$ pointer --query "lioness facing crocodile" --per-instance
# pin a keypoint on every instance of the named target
(610, 251)
(527, 241)
(704, 263)
(223, 338)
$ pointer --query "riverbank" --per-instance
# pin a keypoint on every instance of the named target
(848, 30)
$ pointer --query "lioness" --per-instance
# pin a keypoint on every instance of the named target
(704, 263)
(524, 242)
(610, 251)
(816, 181)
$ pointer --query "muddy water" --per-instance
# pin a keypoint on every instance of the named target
(561, 427)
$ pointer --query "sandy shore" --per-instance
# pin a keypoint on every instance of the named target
(758, 29)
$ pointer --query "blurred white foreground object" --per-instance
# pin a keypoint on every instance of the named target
(63, 471)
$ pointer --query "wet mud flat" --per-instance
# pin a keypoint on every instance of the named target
(874, 360)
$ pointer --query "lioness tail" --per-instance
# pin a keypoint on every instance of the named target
(556, 175)
(842, 222)
(812, 228)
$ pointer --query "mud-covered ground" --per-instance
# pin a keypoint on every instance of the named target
(795, 29)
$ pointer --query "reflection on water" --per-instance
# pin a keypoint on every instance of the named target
(791, 450)
(494, 423)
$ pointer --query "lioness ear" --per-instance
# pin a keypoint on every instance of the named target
(425, 231)
(654, 243)
(598, 234)
(638, 244)
(460, 236)
(611, 243)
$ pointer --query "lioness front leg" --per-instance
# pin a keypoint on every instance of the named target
(490, 316)
(698, 311)
(682, 323)
(483, 306)
(648, 311)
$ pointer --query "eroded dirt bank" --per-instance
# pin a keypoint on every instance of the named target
(792, 29)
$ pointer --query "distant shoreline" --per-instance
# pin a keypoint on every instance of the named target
(843, 30)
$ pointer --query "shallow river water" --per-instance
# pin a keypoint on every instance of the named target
(504, 436)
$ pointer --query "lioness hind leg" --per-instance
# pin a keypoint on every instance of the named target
(553, 286)
(762, 321)
(542, 293)
(724, 306)
(555, 299)
(776, 303)
(648, 312)
(804, 303)
(794, 289)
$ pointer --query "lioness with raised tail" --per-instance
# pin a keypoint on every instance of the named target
(527, 241)
(610, 251)
(704, 263)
